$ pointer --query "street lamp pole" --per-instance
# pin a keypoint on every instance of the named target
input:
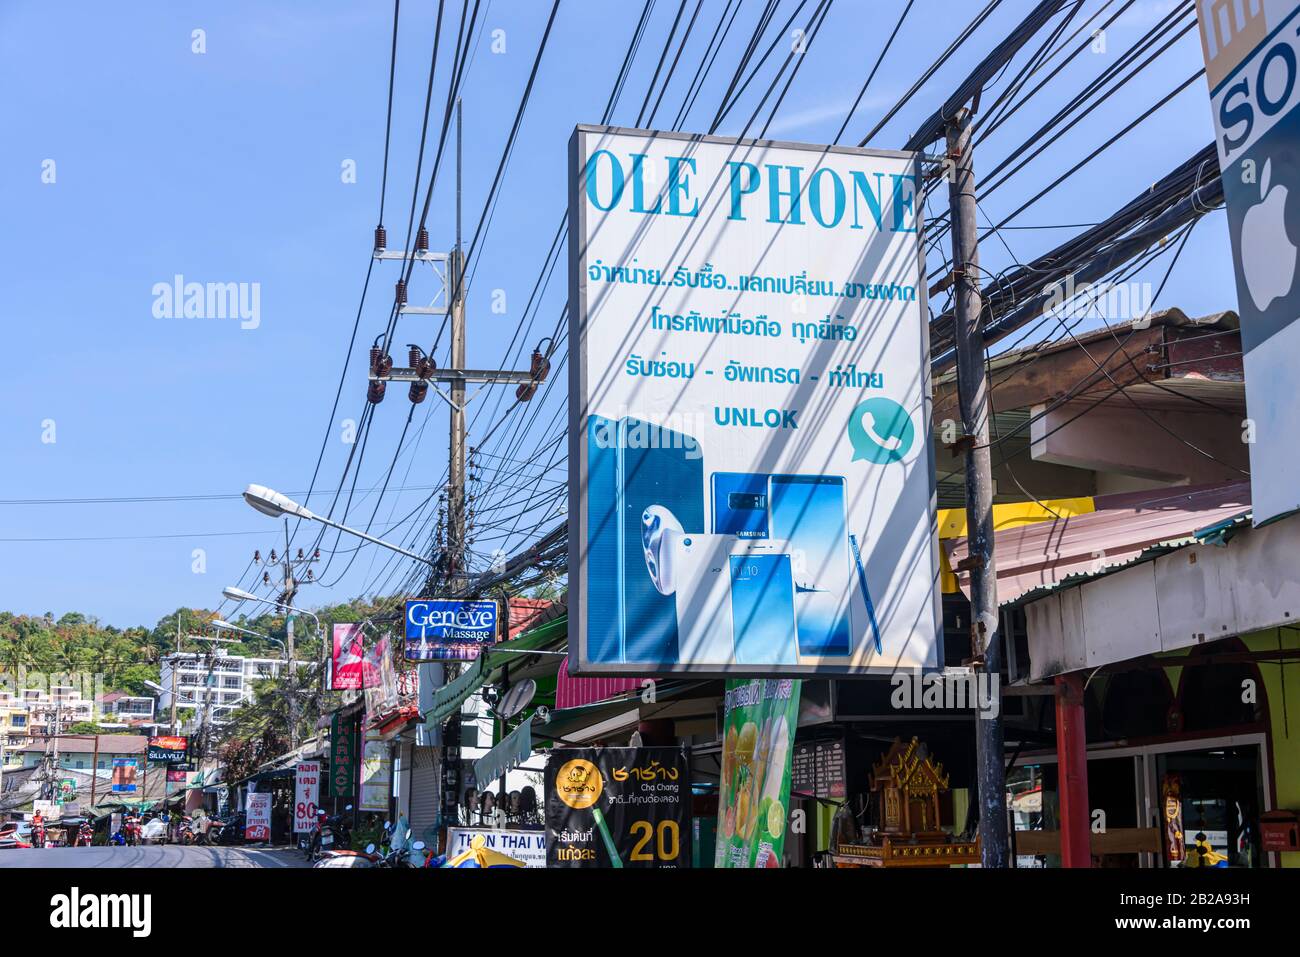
(270, 502)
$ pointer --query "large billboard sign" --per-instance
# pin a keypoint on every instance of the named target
(168, 748)
(1251, 54)
(446, 629)
(753, 482)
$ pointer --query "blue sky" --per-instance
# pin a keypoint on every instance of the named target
(226, 166)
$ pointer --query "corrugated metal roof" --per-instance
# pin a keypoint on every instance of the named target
(1123, 530)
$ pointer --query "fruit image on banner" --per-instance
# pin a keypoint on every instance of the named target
(757, 748)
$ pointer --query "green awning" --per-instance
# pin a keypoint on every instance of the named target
(448, 699)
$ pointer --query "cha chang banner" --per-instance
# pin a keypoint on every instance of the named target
(618, 807)
(753, 482)
(443, 629)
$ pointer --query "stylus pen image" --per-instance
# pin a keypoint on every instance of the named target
(866, 592)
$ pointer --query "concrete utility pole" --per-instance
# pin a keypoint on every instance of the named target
(973, 398)
(422, 372)
(175, 665)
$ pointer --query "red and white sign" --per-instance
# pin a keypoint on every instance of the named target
(354, 669)
(306, 796)
(258, 824)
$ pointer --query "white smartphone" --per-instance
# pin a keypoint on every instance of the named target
(704, 571)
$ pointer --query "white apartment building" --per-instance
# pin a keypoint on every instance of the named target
(231, 684)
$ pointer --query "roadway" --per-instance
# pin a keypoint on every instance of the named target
(150, 856)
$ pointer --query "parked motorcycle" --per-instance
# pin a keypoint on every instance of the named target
(329, 833)
(231, 831)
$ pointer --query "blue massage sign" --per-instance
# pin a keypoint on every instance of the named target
(449, 630)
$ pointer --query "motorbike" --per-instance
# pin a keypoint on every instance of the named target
(187, 835)
(38, 835)
(117, 839)
(330, 833)
(231, 831)
(347, 858)
(85, 834)
(131, 831)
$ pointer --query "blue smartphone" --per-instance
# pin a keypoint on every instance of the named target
(657, 466)
(762, 608)
(604, 614)
(740, 504)
(808, 510)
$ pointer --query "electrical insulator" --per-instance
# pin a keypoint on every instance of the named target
(376, 354)
(300, 554)
(540, 367)
(309, 575)
(273, 556)
(422, 241)
(375, 393)
(418, 391)
(525, 391)
(266, 578)
(257, 556)
(401, 292)
(381, 238)
(316, 555)
(384, 366)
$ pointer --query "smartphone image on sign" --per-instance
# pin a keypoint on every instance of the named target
(701, 574)
(808, 510)
(604, 609)
(656, 466)
(762, 605)
(740, 504)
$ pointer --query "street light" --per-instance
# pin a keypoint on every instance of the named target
(238, 594)
(272, 503)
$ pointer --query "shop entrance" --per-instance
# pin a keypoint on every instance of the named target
(1152, 805)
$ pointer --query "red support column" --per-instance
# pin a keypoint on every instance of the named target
(1072, 770)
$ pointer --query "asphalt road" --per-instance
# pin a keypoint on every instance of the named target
(169, 855)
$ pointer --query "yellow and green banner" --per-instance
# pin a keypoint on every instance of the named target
(757, 746)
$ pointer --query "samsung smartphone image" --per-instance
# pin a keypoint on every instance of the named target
(657, 466)
(702, 576)
(604, 609)
(808, 510)
(739, 504)
(762, 604)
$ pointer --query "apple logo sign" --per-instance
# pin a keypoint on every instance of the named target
(1268, 256)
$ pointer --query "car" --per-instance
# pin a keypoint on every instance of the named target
(154, 832)
(15, 834)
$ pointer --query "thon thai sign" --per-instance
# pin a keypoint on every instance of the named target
(753, 483)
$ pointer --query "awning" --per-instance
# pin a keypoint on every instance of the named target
(448, 699)
(673, 699)
(513, 750)
(1035, 559)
